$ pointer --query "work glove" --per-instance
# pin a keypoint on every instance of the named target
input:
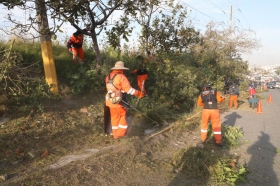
(136, 93)
(140, 96)
(133, 72)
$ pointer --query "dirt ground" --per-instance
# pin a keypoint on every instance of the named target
(66, 145)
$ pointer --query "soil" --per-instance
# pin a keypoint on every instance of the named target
(66, 145)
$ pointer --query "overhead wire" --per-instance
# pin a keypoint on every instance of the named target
(221, 9)
(223, 3)
(216, 6)
(225, 12)
(239, 10)
(232, 3)
(244, 18)
(199, 11)
(236, 6)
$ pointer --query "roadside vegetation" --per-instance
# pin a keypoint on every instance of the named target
(44, 127)
(41, 128)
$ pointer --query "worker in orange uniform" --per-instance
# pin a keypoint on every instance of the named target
(75, 45)
(117, 84)
(142, 75)
(209, 99)
(234, 93)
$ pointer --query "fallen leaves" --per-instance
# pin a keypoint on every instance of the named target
(45, 153)
(19, 152)
(7, 152)
(84, 110)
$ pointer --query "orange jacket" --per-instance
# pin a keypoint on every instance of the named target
(121, 83)
(75, 41)
(218, 96)
(78, 39)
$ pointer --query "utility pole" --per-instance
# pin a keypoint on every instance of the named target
(46, 45)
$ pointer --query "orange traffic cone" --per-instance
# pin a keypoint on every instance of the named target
(270, 98)
(259, 109)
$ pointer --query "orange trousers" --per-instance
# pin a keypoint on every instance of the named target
(78, 52)
(118, 121)
(141, 79)
(214, 115)
(233, 101)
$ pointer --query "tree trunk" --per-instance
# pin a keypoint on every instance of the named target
(96, 50)
(46, 46)
(147, 42)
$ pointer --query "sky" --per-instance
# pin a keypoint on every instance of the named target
(262, 17)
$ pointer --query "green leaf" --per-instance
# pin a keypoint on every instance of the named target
(241, 178)
(242, 171)
(227, 169)
(75, 76)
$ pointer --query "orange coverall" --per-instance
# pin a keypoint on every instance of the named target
(142, 76)
(233, 100)
(213, 114)
(76, 42)
(117, 111)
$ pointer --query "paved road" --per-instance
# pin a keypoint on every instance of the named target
(263, 133)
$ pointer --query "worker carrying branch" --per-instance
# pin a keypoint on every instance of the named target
(209, 99)
(117, 84)
(142, 75)
(75, 45)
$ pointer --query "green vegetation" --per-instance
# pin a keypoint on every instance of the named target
(44, 127)
(175, 80)
(209, 163)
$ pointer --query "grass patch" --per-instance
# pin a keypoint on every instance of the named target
(208, 164)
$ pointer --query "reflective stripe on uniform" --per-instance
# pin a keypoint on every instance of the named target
(123, 126)
(131, 91)
(217, 132)
(203, 130)
(115, 127)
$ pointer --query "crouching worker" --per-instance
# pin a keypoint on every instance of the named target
(253, 101)
(209, 99)
(117, 84)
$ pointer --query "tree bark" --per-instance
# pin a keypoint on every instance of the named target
(46, 46)
(96, 49)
